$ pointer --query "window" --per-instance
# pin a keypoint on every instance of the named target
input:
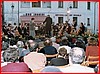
(60, 4)
(36, 4)
(75, 19)
(88, 5)
(75, 4)
(25, 4)
(46, 4)
(60, 19)
(88, 21)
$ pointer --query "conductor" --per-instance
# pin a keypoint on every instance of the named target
(48, 22)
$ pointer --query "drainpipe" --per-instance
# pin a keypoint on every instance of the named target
(94, 16)
(18, 12)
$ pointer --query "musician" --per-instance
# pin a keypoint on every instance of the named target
(55, 30)
(32, 28)
(81, 29)
(74, 24)
(63, 28)
(73, 30)
(68, 27)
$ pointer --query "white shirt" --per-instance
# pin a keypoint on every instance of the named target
(55, 45)
(77, 68)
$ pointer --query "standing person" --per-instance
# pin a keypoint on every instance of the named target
(82, 28)
(32, 28)
(74, 24)
(68, 27)
(48, 22)
(20, 29)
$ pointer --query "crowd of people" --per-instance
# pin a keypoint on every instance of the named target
(62, 48)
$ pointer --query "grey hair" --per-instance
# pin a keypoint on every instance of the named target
(32, 45)
(20, 44)
(10, 55)
(77, 55)
(5, 45)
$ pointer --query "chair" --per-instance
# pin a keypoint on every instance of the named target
(37, 70)
(50, 56)
(94, 62)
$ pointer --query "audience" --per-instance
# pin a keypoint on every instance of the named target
(77, 57)
(48, 49)
(92, 50)
(53, 39)
(31, 43)
(65, 44)
(11, 63)
(79, 43)
(21, 48)
(34, 60)
(67, 53)
(62, 58)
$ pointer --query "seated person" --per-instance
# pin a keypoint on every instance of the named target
(92, 50)
(22, 51)
(79, 43)
(62, 58)
(77, 57)
(10, 57)
(35, 60)
(65, 45)
(53, 39)
(48, 49)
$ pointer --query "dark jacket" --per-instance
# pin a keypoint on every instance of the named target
(48, 22)
(48, 50)
(59, 62)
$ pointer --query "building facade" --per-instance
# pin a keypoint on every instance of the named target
(86, 12)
